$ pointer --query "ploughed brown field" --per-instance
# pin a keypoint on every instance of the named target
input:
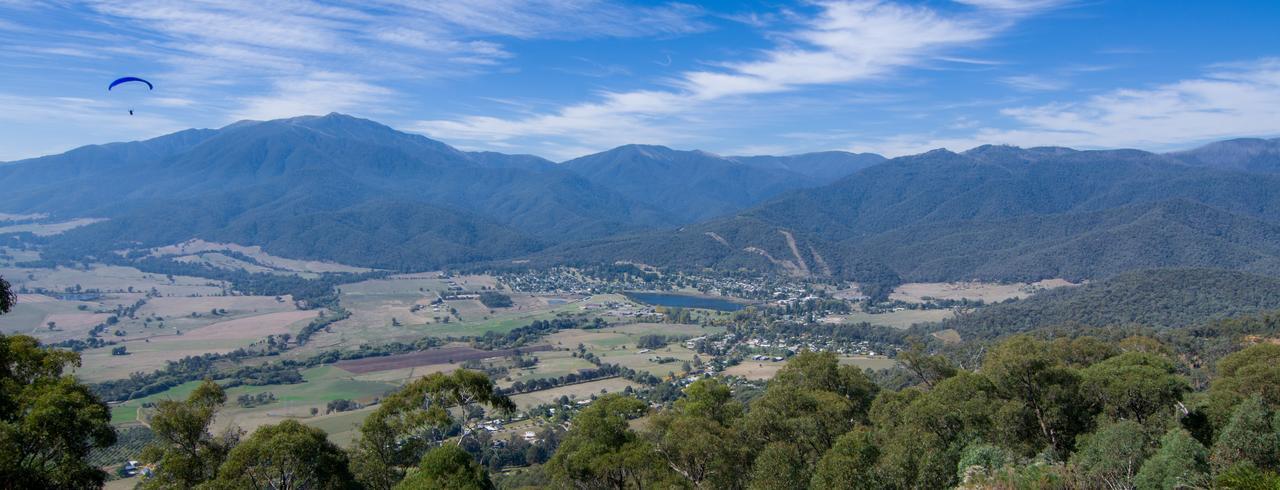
(428, 357)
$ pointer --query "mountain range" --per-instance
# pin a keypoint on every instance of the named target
(992, 213)
(351, 190)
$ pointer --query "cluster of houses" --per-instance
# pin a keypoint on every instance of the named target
(619, 309)
(575, 281)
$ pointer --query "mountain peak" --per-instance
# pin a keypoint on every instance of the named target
(992, 153)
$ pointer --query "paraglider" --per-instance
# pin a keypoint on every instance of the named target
(128, 80)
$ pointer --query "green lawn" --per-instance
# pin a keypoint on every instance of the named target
(501, 322)
(128, 411)
(323, 384)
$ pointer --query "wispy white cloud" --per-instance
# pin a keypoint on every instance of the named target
(556, 19)
(318, 93)
(1020, 6)
(242, 43)
(39, 122)
(1033, 83)
(1230, 100)
(846, 41)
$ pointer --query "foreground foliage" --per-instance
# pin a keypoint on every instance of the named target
(49, 422)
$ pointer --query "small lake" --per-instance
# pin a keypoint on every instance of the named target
(684, 301)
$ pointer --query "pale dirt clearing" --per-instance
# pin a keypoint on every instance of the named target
(973, 291)
(76, 320)
(185, 306)
(198, 246)
(49, 229)
(22, 217)
(751, 369)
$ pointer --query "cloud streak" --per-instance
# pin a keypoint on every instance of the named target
(846, 41)
(378, 42)
(1228, 101)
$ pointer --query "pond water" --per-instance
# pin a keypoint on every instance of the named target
(684, 301)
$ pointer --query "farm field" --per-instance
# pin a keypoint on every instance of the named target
(150, 347)
(617, 345)
(127, 412)
(442, 355)
(580, 391)
(679, 330)
(478, 320)
(974, 291)
(399, 308)
(342, 427)
(323, 384)
(896, 319)
(158, 317)
(648, 362)
(33, 313)
(551, 364)
(109, 278)
(752, 369)
(10, 256)
(402, 375)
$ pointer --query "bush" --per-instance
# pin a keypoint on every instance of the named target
(493, 299)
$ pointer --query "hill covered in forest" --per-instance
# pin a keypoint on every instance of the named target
(991, 213)
(1159, 298)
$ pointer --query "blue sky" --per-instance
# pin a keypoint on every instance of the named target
(565, 78)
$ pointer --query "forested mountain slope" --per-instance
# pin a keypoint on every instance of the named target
(323, 187)
(692, 185)
(1161, 298)
(994, 213)
(826, 166)
(1248, 154)
(319, 187)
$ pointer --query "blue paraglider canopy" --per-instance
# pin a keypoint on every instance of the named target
(130, 79)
